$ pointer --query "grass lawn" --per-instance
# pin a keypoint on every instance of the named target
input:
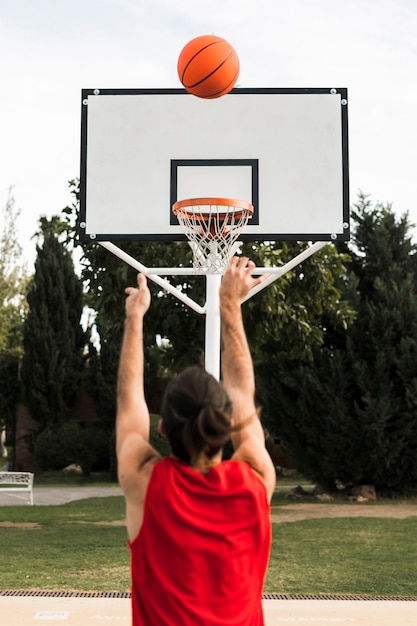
(82, 546)
(77, 546)
(344, 556)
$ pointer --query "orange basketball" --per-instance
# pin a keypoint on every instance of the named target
(208, 66)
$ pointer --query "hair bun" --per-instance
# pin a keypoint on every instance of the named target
(213, 425)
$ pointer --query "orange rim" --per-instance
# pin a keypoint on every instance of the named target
(181, 206)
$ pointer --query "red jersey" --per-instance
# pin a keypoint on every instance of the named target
(201, 555)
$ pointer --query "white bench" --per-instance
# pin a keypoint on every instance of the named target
(13, 483)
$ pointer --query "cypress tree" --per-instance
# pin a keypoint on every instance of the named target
(53, 337)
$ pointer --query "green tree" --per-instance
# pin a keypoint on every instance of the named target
(382, 347)
(348, 415)
(13, 280)
(9, 393)
(53, 337)
(13, 283)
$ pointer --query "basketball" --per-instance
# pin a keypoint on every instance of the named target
(208, 67)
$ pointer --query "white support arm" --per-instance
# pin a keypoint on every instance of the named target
(156, 279)
(277, 272)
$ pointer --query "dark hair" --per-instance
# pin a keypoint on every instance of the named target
(196, 414)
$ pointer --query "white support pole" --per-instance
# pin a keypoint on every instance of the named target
(213, 329)
(278, 272)
(156, 279)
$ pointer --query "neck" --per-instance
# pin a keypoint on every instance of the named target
(204, 464)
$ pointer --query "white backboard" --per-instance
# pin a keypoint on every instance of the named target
(283, 150)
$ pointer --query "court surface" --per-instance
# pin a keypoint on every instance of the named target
(75, 610)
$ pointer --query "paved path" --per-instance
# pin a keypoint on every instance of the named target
(301, 511)
(287, 513)
(59, 495)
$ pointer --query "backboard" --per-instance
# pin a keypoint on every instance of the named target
(283, 150)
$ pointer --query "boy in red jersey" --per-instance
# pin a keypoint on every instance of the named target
(198, 527)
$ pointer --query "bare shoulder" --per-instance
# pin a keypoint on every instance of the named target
(136, 460)
(253, 452)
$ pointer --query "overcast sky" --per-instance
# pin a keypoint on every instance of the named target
(51, 49)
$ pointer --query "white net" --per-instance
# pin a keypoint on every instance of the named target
(212, 226)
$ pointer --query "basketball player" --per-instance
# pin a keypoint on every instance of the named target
(198, 527)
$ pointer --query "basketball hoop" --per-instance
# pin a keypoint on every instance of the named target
(212, 226)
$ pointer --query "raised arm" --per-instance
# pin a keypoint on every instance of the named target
(237, 371)
(135, 456)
